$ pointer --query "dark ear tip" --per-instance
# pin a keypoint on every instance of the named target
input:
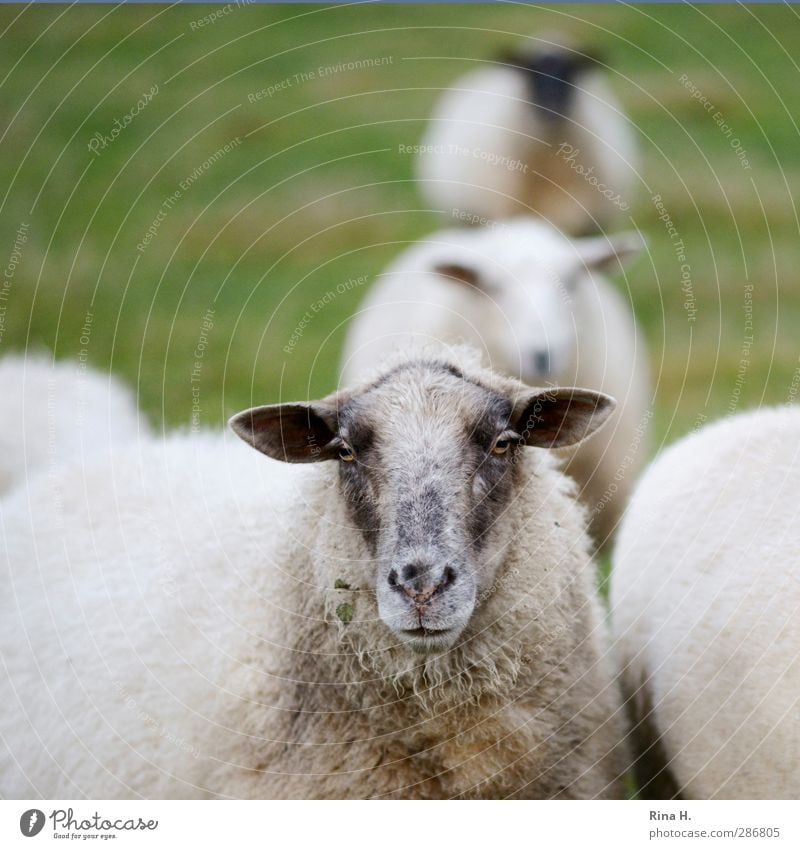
(606, 405)
(242, 425)
(603, 404)
(606, 402)
(457, 273)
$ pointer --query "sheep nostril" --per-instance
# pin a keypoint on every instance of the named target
(410, 571)
(420, 582)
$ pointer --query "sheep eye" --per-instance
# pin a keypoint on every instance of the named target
(346, 454)
(501, 446)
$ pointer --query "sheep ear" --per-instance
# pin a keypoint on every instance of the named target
(293, 433)
(556, 418)
(610, 253)
(458, 273)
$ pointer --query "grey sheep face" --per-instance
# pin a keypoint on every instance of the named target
(427, 467)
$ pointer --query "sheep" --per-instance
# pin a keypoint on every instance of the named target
(411, 614)
(53, 410)
(706, 611)
(538, 306)
(538, 132)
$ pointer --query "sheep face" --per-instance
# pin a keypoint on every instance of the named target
(525, 315)
(524, 280)
(428, 459)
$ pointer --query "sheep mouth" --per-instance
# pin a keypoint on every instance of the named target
(425, 632)
(429, 640)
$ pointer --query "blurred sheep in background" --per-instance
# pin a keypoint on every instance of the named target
(539, 132)
(55, 411)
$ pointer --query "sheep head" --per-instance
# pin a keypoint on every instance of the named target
(427, 458)
(523, 279)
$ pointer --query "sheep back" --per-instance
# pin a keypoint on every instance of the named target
(706, 608)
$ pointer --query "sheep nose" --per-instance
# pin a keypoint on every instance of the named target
(541, 361)
(420, 582)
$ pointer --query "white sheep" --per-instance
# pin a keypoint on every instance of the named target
(538, 306)
(539, 133)
(706, 611)
(52, 410)
(415, 616)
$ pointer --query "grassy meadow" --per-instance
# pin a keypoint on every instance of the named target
(183, 250)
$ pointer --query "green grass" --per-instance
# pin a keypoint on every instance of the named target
(316, 193)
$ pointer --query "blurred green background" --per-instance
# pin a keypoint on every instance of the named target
(316, 192)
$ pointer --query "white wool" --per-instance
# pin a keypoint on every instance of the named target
(119, 605)
(52, 411)
(706, 605)
(488, 152)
